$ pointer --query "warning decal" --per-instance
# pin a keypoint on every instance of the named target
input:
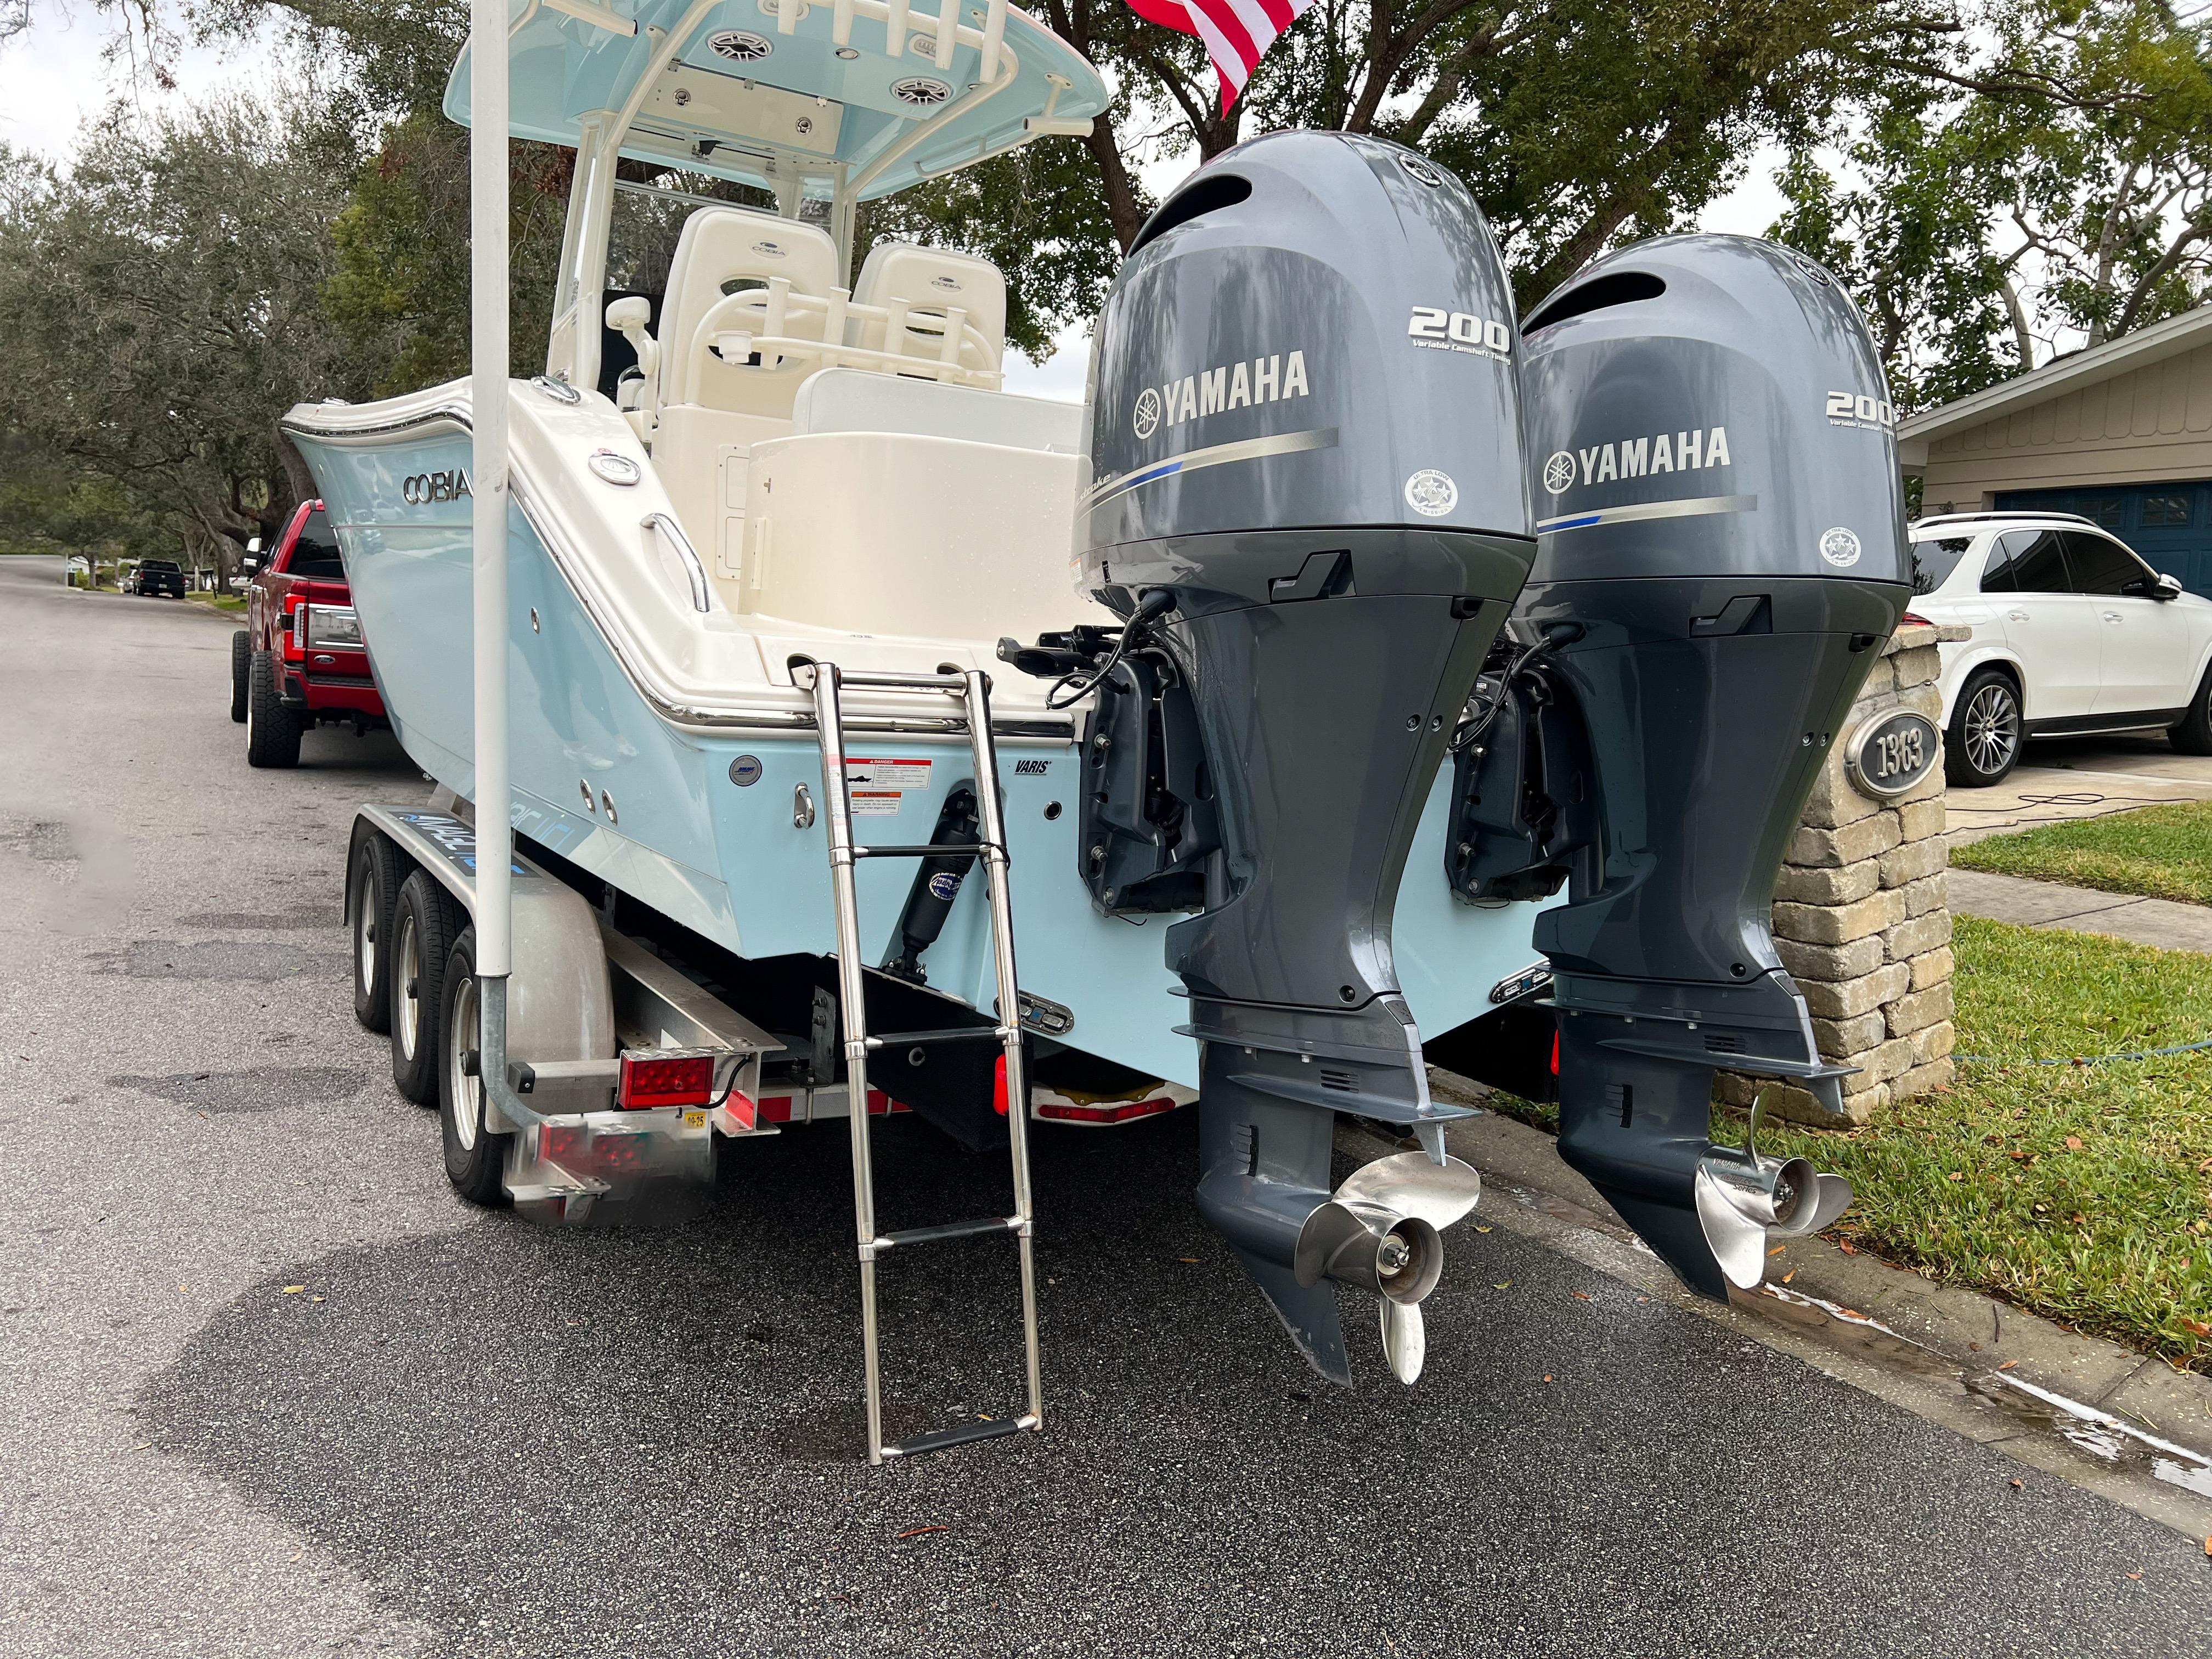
(875, 803)
(887, 773)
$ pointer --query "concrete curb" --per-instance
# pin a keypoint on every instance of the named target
(1976, 1332)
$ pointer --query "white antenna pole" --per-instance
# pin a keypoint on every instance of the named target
(488, 366)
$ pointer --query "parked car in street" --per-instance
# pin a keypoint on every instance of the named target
(153, 576)
(301, 660)
(2072, 635)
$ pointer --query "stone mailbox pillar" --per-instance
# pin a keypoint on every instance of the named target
(1860, 917)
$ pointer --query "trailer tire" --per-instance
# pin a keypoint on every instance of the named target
(241, 670)
(272, 731)
(423, 924)
(476, 1161)
(372, 898)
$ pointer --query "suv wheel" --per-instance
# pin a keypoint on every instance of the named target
(272, 731)
(475, 1159)
(241, 670)
(2193, 736)
(1983, 745)
(422, 927)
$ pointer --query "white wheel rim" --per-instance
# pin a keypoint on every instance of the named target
(406, 963)
(465, 1093)
(368, 904)
(1993, 729)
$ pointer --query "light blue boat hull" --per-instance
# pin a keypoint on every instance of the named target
(726, 861)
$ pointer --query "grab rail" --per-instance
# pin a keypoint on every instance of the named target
(700, 593)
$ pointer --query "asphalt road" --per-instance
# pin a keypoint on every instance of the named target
(460, 1434)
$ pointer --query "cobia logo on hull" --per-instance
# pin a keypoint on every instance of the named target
(1234, 385)
(1637, 457)
(425, 487)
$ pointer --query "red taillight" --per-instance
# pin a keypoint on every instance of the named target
(295, 624)
(649, 1080)
(999, 1088)
(1555, 1053)
(1914, 619)
(1117, 1111)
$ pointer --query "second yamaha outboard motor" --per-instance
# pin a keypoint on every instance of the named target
(1308, 497)
(1721, 553)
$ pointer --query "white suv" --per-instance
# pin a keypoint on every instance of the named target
(2072, 634)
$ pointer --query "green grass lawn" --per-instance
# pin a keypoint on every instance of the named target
(2164, 852)
(2083, 1193)
(219, 601)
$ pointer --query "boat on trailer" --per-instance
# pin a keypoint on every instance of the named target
(753, 790)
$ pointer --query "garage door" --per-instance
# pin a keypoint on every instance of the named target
(2169, 523)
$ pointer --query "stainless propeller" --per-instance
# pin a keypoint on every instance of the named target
(1744, 1199)
(1379, 1233)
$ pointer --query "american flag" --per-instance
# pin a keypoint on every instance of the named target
(1236, 32)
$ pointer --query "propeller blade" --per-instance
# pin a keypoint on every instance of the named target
(1832, 1199)
(1411, 1183)
(1738, 1241)
(1308, 1314)
(1405, 1338)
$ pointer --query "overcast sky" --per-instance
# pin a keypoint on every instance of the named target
(53, 76)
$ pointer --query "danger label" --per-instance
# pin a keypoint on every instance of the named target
(887, 773)
(875, 803)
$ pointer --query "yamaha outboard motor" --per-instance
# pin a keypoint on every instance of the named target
(1308, 498)
(1721, 551)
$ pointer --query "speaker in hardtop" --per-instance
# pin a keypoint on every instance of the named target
(1307, 498)
(1721, 553)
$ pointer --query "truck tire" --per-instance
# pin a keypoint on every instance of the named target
(423, 924)
(241, 668)
(1984, 743)
(272, 731)
(372, 896)
(2193, 735)
(476, 1160)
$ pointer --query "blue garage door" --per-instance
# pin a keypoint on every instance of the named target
(2169, 523)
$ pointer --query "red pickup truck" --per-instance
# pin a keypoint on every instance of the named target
(301, 660)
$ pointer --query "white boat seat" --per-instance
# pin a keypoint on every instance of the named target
(720, 286)
(920, 288)
(858, 400)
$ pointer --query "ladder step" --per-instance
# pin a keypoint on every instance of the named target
(995, 1223)
(950, 1034)
(933, 850)
(955, 684)
(961, 1434)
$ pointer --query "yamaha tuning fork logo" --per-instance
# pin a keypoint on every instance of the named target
(1210, 391)
(1559, 472)
(1148, 412)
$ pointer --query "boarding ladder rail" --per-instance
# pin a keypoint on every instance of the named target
(971, 689)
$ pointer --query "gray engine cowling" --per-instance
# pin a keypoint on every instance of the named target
(1722, 552)
(1306, 491)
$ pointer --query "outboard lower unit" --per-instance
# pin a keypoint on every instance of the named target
(1307, 495)
(1720, 554)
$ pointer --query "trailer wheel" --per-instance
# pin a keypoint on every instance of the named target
(241, 668)
(422, 927)
(372, 896)
(272, 731)
(475, 1159)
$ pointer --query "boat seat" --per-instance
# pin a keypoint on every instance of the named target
(920, 287)
(719, 285)
(859, 400)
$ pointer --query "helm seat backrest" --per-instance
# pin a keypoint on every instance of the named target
(929, 283)
(726, 250)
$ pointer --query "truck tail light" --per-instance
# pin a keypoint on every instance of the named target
(652, 1077)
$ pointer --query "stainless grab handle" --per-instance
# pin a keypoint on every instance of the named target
(702, 598)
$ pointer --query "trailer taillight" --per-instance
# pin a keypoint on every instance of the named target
(1113, 1111)
(657, 1078)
